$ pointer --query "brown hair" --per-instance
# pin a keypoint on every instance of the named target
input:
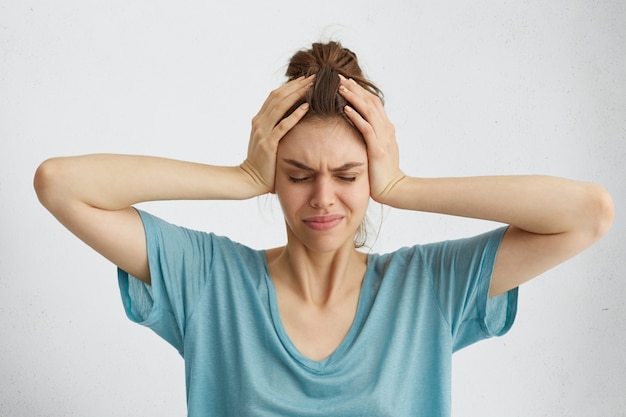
(327, 60)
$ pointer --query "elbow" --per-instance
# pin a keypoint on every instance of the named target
(46, 180)
(601, 210)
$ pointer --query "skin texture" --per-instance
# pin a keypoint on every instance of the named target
(92, 195)
(322, 184)
(551, 219)
(318, 272)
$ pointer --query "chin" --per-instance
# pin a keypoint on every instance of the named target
(327, 244)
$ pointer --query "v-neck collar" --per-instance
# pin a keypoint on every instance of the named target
(363, 307)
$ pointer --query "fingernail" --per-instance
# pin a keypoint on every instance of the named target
(305, 106)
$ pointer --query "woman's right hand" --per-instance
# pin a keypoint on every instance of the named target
(268, 129)
(92, 195)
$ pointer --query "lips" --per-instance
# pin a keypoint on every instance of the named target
(323, 223)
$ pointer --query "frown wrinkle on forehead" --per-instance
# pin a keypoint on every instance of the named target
(332, 144)
(345, 167)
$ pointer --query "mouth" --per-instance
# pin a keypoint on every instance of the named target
(323, 223)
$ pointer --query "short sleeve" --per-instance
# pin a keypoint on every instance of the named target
(180, 263)
(462, 271)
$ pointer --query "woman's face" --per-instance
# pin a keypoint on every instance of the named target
(322, 183)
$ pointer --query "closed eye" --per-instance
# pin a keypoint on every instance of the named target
(298, 179)
(347, 179)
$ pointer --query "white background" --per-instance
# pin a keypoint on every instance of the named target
(474, 88)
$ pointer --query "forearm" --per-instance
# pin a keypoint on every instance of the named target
(114, 182)
(537, 204)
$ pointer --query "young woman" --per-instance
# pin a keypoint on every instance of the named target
(316, 327)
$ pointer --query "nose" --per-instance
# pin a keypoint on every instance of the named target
(323, 192)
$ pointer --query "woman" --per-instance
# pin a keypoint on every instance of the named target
(317, 327)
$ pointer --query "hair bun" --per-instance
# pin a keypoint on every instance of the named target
(332, 56)
(327, 61)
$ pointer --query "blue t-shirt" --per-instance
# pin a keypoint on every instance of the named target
(214, 301)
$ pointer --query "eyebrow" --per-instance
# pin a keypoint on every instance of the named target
(344, 167)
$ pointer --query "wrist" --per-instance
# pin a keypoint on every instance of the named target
(254, 183)
(393, 193)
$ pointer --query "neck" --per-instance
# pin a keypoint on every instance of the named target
(318, 278)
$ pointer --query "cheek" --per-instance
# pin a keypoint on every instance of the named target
(360, 197)
(289, 197)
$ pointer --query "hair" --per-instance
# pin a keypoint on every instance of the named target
(327, 61)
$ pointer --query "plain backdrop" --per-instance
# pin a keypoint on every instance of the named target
(473, 88)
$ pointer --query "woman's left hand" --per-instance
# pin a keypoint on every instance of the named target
(378, 132)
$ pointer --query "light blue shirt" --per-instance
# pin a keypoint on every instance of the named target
(214, 301)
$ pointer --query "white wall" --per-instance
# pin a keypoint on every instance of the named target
(473, 88)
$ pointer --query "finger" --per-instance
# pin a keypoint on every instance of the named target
(362, 109)
(278, 104)
(288, 94)
(361, 124)
(378, 133)
(365, 102)
(351, 85)
(289, 122)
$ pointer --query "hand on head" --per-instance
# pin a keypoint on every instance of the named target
(337, 90)
(378, 132)
(268, 129)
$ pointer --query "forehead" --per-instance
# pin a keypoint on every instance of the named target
(322, 139)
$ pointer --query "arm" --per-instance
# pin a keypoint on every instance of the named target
(551, 219)
(92, 195)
